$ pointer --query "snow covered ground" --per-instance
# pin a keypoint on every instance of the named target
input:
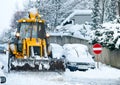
(105, 75)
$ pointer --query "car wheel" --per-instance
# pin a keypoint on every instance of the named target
(83, 69)
(72, 68)
(92, 67)
(10, 58)
(3, 79)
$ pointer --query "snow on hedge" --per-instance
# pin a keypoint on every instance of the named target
(80, 31)
(108, 35)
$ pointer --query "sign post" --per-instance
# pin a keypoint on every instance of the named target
(97, 49)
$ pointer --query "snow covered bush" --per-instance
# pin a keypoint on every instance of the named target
(79, 31)
(108, 35)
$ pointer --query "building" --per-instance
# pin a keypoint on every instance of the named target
(78, 17)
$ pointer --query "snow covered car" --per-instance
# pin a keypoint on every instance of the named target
(78, 57)
(57, 53)
(2, 76)
(2, 50)
(57, 50)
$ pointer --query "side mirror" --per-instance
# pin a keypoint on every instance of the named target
(63, 56)
(93, 57)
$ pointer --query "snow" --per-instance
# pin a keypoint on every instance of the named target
(103, 73)
(33, 78)
(67, 78)
(109, 25)
(33, 10)
(80, 31)
(57, 50)
(77, 53)
(1, 71)
(108, 35)
(117, 43)
(51, 78)
(7, 9)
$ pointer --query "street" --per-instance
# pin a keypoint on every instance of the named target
(51, 78)
(60, 42)
(105, 75)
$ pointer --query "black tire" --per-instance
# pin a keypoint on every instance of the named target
(9, 64)
(50, 55)
(72, 68)
(10, 56)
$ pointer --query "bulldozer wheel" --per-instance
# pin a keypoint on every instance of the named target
(50, 55)
(10, 56)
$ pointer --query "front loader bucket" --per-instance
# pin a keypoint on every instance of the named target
(38, 65)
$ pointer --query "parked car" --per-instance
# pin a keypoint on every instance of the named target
(57, 50)
(78, 57)
(2, 76)
(2, 49)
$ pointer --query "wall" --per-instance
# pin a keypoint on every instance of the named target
(66, 39)
(107, 56)
(80, 19)
(111, 57)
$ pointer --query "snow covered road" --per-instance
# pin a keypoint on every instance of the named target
(53, 78)
(34, 78)
(105, 75)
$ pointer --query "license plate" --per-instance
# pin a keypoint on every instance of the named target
(82, 67)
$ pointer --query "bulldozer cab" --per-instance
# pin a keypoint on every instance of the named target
(31, 30)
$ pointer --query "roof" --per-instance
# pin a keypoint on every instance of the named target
(77, 12)
(31, 20)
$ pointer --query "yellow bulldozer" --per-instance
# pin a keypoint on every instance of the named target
(29, 48)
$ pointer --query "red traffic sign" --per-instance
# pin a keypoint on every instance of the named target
(97, 48)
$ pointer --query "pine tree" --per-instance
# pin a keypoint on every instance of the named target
(51, 11)
(28, 5)
(96, 15)
(17, 15)
(110, 13)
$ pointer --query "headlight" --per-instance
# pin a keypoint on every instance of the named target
(4, 50)
(47, 35)
(17, 34)
(24, 20)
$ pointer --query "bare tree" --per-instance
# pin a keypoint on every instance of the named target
(102, 10)
(119, 7)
